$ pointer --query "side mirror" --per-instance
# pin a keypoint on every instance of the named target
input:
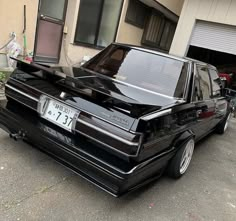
(229, 93)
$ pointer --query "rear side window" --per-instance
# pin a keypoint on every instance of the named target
(196, 89)
(216, 83)
(204, 81)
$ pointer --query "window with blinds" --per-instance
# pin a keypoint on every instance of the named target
(137, 13)
(159, 32)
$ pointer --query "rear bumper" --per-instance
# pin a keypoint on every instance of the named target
(107, 171)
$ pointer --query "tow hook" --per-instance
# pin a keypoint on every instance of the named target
(18, 136)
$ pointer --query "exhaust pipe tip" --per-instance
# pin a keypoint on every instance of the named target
(14, 136)
(18, 136)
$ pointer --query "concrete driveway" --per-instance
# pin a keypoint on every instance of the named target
(35, 187)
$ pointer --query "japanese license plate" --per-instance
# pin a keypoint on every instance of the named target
(60, 114)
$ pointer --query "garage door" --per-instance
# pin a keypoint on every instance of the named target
(214, 36)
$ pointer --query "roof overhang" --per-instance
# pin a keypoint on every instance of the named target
(161, 8)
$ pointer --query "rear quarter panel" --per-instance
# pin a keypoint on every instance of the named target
(169, 132)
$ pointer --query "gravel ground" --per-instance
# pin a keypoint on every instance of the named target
(35, 187)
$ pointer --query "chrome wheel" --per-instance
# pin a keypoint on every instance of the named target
(187, 156)
(227, 122)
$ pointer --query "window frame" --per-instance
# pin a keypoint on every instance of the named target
(195, 74)
(98, 25)
(135, 23)
(220, 86)
(164, 20)
(207, 71)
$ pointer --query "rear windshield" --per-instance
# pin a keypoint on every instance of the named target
(142, 69)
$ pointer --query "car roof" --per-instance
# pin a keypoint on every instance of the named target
(151, 51)
(183, 59)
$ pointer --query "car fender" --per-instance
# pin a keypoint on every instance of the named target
(182, 138)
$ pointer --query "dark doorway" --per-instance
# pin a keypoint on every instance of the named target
(49, 31)
(223, 61)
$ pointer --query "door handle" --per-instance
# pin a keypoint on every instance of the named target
(50, 18)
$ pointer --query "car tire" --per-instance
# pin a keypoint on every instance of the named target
(181, 161)
(223, 126)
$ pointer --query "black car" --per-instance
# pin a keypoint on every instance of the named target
(119, 120)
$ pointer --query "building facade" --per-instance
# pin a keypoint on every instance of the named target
(201, 29)
(12, 20)
(125, 21)
(65, 31)
(207, 31)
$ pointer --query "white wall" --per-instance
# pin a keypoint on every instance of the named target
(12, 20)
(221, 11)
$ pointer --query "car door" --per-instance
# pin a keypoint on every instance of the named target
(220, 101)
(204, 104)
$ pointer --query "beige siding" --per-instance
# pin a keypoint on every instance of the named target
(11, 14)
(11, 19)
(74, 53)
(127, 33)
(173, 5)
(130, 34)
(208, 10)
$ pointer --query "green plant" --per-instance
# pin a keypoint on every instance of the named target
(2, 76)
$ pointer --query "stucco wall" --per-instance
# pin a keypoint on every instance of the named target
(173, 5)
(71, 53)
(12, 18)
(127, 33)
(221, 11)
(130, 34)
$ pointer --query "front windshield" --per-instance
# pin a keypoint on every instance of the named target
(142, 69)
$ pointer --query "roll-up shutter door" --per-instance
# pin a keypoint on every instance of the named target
(214, 36)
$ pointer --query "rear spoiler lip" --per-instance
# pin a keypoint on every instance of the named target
(134, 105)
(127, 100)
(40, 67)
(127, 84)
(64, 76)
